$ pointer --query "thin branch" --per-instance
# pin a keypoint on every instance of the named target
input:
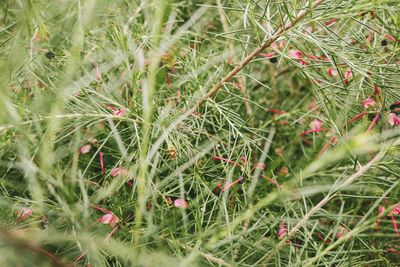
(325, 200)
(281, 30)
(22, 244)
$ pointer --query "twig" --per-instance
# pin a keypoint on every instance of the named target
(255, 52)
(325, 200)
(22, 244)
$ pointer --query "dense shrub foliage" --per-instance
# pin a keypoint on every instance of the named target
(199, 133)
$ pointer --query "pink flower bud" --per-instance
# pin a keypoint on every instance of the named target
(259, 166)
(282, 230)
(23, 213)
(316, 124)
(368, 102)
(181, 203)
(347, 75)
(116, 171)
(295, 54)
(393, 119)
(109, 219)
(85, 149)
(332, 72)
(119, 112)
(396, 209)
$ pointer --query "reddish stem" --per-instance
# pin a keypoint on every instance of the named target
(101, 162)
(394, 223)
(272, 181)
(269, 55)
(226, 160)
(314, 131)
(357, 117)
(101, 209)
(373, 122)
(333, 140)
(227, 186)
(111, 233)
(277, 111)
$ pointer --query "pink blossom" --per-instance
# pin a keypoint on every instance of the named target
(23, 213)
(259, 166)
(381, 211)
(316, 124)
(181, 203)
(368, 102)
(282, 230)
(85, 149)
(109, 219)
(390, 37)
(341, 232)
(119, 112)
(116, 171)
(393, 119)
(302, 62)
(332, 72)
(295, 54)
(396, 209)
(347, 75)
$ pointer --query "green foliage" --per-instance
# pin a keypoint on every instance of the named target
(123, 77)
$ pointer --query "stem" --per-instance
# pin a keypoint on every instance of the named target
(325, 200)
(281, 30)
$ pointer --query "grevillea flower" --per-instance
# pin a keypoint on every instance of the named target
(393, 119)
(181, 203)
(119, 112)
(259, 166)
(282, 230)
(396, 209)
(23, 213)
(347, 75)
(283, 171)
(341, 232)
(332, 72)
(85, 149)
(229, 185)
(302, 62)
(368, 102)
(295, 54)
(109, 219)
(381, 211)
(116, 171)
(316, 124)
(330, 22)
(390, 37)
